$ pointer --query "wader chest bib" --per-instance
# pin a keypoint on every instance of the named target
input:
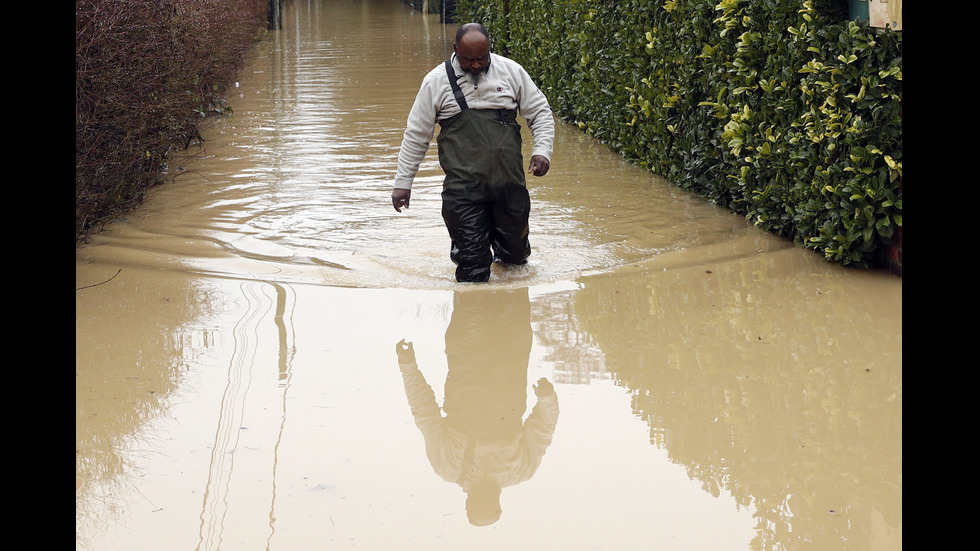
(485, 203)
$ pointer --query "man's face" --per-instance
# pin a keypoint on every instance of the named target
(473, 52)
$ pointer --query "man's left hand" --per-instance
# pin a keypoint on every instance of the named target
(543, 388)
(539, 165)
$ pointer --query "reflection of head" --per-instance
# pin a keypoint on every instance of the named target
(483, 503)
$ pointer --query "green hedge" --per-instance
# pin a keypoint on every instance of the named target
(782, 110)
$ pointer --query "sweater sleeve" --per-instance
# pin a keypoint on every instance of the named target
(534, 107)
(418, 132)
(539, 427)
(421, 400)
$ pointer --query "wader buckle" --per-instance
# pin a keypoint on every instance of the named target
(507, 116)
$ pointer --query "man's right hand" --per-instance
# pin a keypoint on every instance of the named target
(405, 351)
(400, 198)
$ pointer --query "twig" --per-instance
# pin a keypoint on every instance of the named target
(96, 284)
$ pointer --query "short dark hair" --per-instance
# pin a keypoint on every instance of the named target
(467, 27)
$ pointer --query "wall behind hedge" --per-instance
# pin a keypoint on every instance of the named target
(782, 110)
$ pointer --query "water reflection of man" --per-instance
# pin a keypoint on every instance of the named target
(483, 442)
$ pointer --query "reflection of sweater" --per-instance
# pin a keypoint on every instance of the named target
(463, 451)
(505, 85)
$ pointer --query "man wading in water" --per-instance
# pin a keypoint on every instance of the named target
(475, 97)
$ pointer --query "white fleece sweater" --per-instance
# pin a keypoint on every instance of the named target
(505, 85)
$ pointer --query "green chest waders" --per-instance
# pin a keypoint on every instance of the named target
(485, 203)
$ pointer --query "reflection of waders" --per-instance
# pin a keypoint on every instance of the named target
(486, 387)
(485, 202)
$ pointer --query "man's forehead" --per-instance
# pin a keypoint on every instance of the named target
(474, 42)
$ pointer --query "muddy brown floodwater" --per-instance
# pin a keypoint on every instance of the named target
(240, 382)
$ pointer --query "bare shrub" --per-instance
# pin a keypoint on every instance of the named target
(145, 73)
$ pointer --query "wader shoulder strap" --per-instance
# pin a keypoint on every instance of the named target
(452, 82)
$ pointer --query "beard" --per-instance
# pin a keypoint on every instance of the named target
(475, 75)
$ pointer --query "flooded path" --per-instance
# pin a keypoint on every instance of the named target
(243, 379)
